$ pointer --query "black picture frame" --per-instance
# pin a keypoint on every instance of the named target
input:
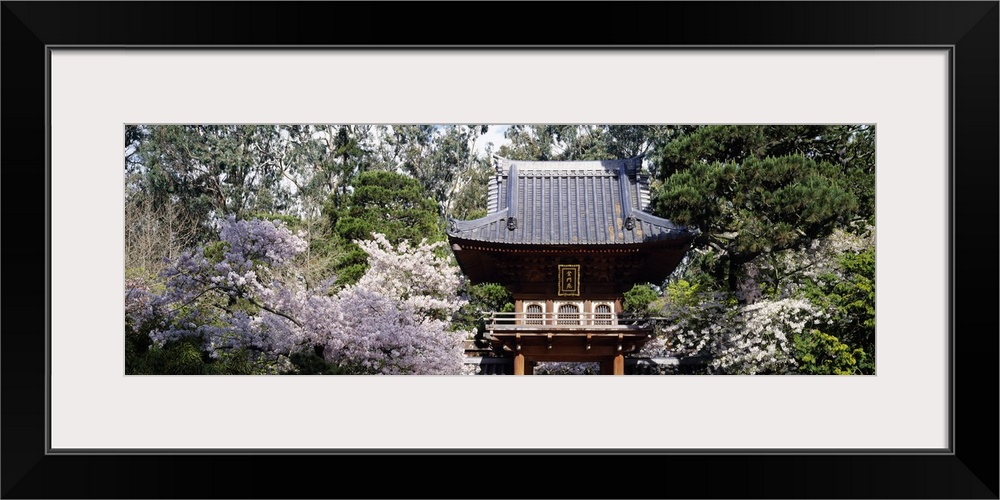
(969, 470)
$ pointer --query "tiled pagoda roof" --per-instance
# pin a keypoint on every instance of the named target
(569, 203)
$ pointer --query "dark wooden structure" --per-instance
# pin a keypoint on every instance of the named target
(568, 239)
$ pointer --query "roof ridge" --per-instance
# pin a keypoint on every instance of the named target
(632, 165)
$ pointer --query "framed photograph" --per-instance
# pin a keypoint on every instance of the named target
(925, 73)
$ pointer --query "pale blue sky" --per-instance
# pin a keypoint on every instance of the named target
(494, 135)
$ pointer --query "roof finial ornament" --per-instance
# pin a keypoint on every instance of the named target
(626, 200)
(512, 198)
(498, 162)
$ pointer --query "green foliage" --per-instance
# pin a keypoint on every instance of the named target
(529, 142)
(313, 363)
(180, 357)
(469, 201)
(683, 293)
(292, 222)
(851, 298)
(858, 289)
(185, 357)
(235, 362)
(700, 268)
(760, 194)
(351, 265)
(216, 251)
(390, 203)
(760, 205)
(180, 177)
(693, 318)
(483, 299)
(174, 358)
(583, 142)
(639, 298)
(220, 169)
(438, 157)
(137, 345)
(755, 190)
(683, 299)
(818, 353)
(490, 297)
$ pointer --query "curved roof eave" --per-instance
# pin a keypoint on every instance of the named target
(472, 230)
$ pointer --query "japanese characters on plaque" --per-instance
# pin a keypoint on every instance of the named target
(569, 280)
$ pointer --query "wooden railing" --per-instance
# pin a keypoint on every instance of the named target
(503, 320)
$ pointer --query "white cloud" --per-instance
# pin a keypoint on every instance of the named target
(495, 135)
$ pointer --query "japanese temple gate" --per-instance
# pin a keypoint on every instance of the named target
(568, 239)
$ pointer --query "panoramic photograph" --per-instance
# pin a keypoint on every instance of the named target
(430, 249)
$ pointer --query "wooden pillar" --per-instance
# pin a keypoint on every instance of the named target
(613, 366)
(519, 364)
(619, 362)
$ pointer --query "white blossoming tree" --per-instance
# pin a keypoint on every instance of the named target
(816, 316)
(396, 319)
(241, 302)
